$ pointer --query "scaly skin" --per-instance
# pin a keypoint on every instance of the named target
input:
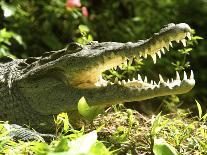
(34, 90)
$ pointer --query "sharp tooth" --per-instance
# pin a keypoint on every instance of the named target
(177, 76)
(119, 82)
(188, 35)
(167, 47)
(159, 54)
(130, 61)
(161, 79)
(168, 82)
(185, 76)
(172, 80)
(163, 50)
(170, 44)
(154, 83)
(183, 42)
(145, 55)
(115, 67)
(145, 79)
(125, 63)
(140, 54)
(145, 52)
(124, 58)
(128, 80)
(178, 41)
(139, 77)
(116, 80)
(100, 78)
(191, 75)
(154, 58)
(123, 82)
(151, 82)
(133, 79)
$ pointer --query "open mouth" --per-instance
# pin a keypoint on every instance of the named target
(154, 49)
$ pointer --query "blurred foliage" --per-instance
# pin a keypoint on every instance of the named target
(5, 42)
(34, 27)
(43, 25)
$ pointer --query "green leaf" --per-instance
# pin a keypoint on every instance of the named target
(62, 118)
(8, 9)
(155, 125)
(120, 134)
(90, 38)
(197, 37)
(199, 109)
(62, 145)
(18, 38)
(83, 144)
(100, 149)
(83, 29)
(5, 34)
(88, 112)
(161, 147)
(204, 117)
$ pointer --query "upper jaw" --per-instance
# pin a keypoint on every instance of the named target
(155, 46)
(160, 42)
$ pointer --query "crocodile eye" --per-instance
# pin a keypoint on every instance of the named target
(74, 47)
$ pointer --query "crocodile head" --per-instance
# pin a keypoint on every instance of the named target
(57, 80)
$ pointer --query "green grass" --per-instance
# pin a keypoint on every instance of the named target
(121, 131)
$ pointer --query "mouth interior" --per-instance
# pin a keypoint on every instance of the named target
(155, 50)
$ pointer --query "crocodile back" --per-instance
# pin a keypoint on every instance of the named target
(13, 105)
(8, 72)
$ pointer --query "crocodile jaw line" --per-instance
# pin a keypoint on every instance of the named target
(154, 49)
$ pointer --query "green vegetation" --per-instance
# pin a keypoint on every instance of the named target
(5, 43)
(29, 28)
(76, 143)
(120, 131)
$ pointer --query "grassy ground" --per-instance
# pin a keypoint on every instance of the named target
(121, 131)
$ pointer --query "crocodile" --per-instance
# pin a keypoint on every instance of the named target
(36, 89)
